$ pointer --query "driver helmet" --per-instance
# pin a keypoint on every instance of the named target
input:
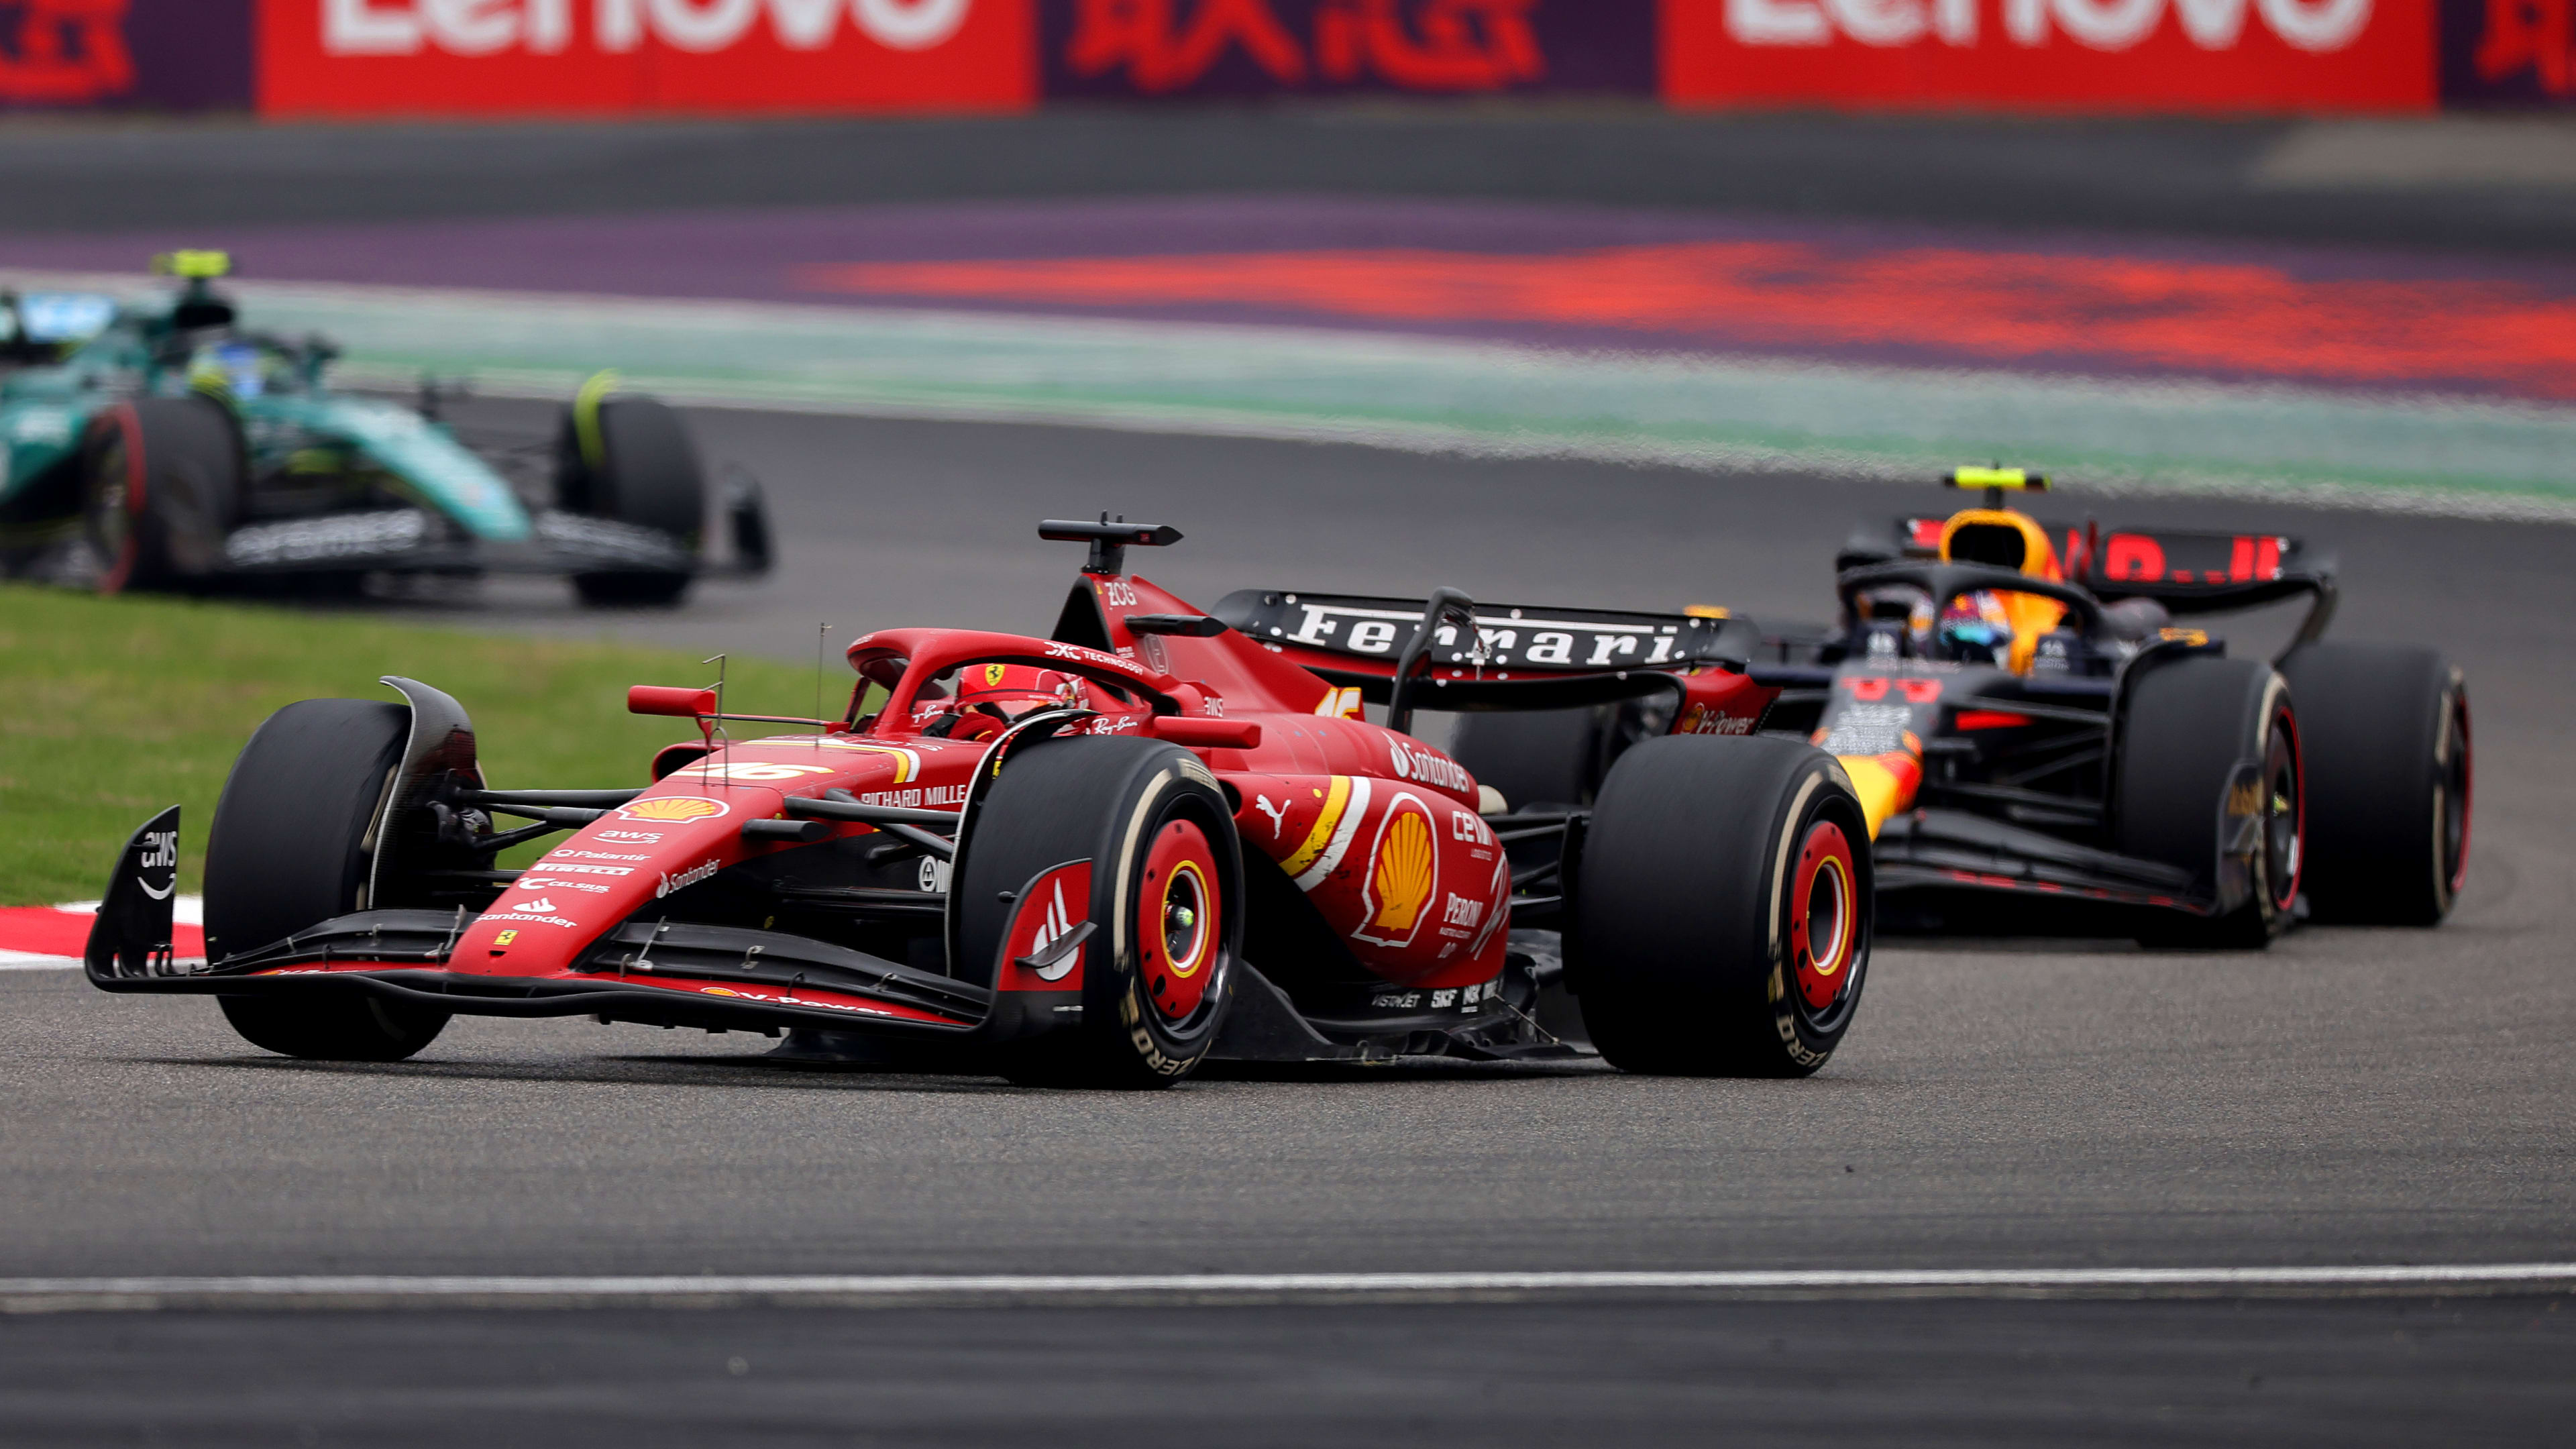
(1977, 625)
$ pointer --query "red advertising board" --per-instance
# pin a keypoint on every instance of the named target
(2066, 55)
(573, 57)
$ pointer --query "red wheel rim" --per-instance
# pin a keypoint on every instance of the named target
(126, 500)
(1823, 915)
(2285, 811)
(1180, 920)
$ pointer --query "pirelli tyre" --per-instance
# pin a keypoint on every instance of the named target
(1165, 904)
(629, 459)
(1723, 908)
(2209, 778)
(161, 487)
(2385, 729)
(289, 849)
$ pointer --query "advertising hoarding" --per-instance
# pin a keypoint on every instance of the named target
(2510, 53)
(1155, 48)
(2067, 55)
(576, 57)
(177, 55)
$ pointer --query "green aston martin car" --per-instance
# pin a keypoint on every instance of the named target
(166, 447)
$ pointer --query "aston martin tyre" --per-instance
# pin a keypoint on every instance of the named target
(289, 849)
(161, 484)
(1723, 908)
(2210, 780)
(629, 459)
(2385, 729)
(1166, 882)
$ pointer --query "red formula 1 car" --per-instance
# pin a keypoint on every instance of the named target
(1103, 857)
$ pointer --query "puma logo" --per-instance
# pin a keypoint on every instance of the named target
(1278, 814)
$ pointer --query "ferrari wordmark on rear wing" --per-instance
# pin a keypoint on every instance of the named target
(1368, 635)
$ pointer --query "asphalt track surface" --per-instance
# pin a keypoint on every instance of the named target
(2348, 1097)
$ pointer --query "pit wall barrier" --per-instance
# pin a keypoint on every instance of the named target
(489, 58)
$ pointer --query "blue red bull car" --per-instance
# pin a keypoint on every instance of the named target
(2043, 735)
(1151, 838)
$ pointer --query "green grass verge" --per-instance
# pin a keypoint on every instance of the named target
(111, 709)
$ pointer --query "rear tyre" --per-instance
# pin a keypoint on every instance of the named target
(2211, 780)
(2386, 731)
(1166, 892)
(161, 486)
(1723, 909)
(630, 459)
(288, 850)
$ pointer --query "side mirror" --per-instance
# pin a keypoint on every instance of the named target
(671, 700)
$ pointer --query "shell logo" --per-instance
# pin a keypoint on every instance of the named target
(1400, 875)
(673, 809)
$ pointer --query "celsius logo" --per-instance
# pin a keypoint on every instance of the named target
(1430, 769)
(547, 27)
(686, 878)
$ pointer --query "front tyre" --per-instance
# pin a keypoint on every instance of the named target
(2387, 741)
(630, 459)
(1166, 893)
(161, 485)
(343, 1027)
(2212, 780)
(289, 849)
(1723, 909)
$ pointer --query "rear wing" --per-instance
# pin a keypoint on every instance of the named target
(1487, 655)
(2189, 571)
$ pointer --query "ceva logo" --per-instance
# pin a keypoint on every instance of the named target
(547, 27)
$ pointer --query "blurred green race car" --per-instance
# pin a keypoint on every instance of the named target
(170, 449)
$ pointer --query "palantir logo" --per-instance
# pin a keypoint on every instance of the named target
(547, 27)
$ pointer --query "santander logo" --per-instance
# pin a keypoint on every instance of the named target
(2311, 25)
(550, 27)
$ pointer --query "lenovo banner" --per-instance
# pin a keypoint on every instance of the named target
(571, 57)
(173, 55)
(2509, 53)
(1150, 48)
(2070, 55)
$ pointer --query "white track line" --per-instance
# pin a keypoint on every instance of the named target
(22, 1295)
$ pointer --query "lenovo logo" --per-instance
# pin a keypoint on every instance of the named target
(2310, 25)
(552, 27)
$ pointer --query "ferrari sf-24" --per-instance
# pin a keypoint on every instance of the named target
(1106, 856)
